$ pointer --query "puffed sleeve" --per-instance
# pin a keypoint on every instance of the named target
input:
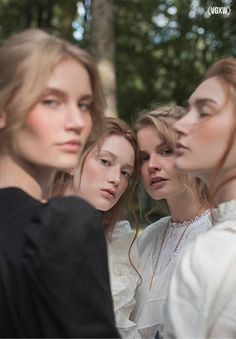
(124, 278)
(64, 282)
(201, 302)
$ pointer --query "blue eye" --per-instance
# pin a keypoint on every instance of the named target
(50, 102)
(167, 151)
(85, 107)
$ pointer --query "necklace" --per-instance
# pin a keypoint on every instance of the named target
(187, 222)
(184, 224)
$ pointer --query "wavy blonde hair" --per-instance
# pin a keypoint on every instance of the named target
(162, 119)
(26, 62)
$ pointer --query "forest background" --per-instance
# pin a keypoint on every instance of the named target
(149, 52)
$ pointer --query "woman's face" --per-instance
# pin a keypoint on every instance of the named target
(157, 165)
(106, 172)
(58, 125)
(204, 132)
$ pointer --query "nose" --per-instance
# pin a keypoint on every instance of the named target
(154, 164)
(75, 119)
(181, 126)
(114, 177)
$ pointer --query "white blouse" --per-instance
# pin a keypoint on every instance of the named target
(202, 299)
(158, 246)
(124, 279)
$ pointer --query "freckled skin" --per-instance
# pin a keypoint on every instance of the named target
(107, 167)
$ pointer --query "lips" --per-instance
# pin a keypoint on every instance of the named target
(180, 149)
(109, 192)
(179, 145)
(157, 180)
(71, 142)
(70, 145)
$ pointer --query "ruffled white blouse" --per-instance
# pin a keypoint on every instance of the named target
(202, 300)
(124, 279)
(157, 259)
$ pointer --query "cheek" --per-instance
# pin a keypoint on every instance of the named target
(205, 135)
(177, 181)
(208, 133)
(172, 173)
(175, 177)
(169, 167)
(37, 125)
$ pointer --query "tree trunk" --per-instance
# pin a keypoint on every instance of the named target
(69, 9)
(102, 47)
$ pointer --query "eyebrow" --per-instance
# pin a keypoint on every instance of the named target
(202, 101)
(128, 166)
(161, 145)
(158, 147)
(115, 157)
(62, 94)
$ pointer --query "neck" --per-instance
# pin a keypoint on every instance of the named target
(226, 193)
(184, 206)
(222, 185)
(24, 176)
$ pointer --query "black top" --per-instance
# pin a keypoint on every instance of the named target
(54, 279)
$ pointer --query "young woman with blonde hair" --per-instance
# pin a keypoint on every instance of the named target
(202, 300)
(50, 96)
(161, 242)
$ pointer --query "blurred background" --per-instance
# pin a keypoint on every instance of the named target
(148, 51)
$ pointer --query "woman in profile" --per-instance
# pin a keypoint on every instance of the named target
(53, 262)
(202, 300)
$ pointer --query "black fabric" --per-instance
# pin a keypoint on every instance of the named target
(54, 279)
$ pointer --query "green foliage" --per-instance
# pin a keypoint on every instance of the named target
(164, 48)
(52, 15)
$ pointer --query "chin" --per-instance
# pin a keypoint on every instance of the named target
(156, 196)
(69, 161)
(103, 208)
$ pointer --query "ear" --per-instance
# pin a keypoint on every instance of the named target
(2, 120)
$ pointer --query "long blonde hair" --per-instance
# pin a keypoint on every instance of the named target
(26, 62)
(162, 119)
